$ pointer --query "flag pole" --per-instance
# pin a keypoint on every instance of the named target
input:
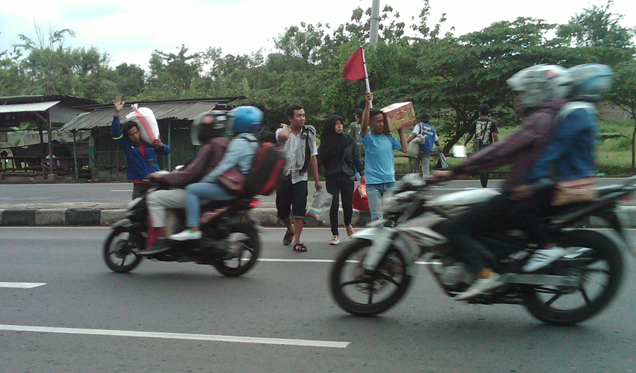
(366, 74)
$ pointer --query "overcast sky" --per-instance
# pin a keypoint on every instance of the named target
(130, 31)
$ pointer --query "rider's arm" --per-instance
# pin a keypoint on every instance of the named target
(193, 171)
(537, 128)
(235, 151)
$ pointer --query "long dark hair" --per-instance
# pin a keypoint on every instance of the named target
(332, 144)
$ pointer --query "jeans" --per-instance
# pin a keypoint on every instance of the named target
(375, 193)
(344, 186)
(198, 191)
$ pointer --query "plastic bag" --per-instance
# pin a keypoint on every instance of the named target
(360, 198)
(321, 202)
(413, 148)
(147, 123)
(442, 160)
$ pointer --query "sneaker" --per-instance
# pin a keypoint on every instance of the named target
(188, 234)
(542, 257)
(160, 246)
(334, 240)
(480, 286)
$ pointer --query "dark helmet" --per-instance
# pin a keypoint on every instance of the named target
(207, 126)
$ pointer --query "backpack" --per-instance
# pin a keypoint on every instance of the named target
(266, 172)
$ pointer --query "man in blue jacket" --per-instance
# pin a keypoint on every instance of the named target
(140, 158)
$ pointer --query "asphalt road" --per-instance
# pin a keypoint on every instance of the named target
(120, 193)
(83, 318)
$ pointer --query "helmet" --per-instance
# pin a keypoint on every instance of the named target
(245, 119)
(207, 126)
(540, 84)
(590, 82)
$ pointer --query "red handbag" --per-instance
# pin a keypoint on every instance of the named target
(360, 198)
(232, 181)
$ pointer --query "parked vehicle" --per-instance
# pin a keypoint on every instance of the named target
(375, 270)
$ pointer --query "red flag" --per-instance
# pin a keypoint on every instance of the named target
(354, 69)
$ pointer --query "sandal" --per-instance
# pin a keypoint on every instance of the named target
(350, 230)
(299, 247)
(289, 236)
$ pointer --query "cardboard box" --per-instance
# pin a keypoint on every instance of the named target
(400, 115)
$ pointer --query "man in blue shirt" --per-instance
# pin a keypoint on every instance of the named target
(424, 158)
(379, 145)
(141, 159)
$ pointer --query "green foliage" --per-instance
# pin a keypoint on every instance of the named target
(624, 96)
(446, 75)
(600, 36)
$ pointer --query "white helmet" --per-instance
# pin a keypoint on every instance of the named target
(540, 84)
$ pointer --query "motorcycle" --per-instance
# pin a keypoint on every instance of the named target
(230, 240)
(373, 273)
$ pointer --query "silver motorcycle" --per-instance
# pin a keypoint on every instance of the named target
(375, 270)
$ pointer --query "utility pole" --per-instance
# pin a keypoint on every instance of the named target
(375, 23)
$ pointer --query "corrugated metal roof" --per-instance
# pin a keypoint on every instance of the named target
(67, 100)
(20, 108)
(163, 110)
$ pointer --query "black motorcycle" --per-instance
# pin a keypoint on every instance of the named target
(230, 240)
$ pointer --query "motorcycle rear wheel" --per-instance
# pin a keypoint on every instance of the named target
(355, 288)
(118, 253)
(601, 280)
(249, 249)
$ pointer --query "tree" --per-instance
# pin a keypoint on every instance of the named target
(173, 75)
(461, 73)
(50, 68)
(599, 36)
(130, 79)
(623, 95)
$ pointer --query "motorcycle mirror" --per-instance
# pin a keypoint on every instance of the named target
(459, 151)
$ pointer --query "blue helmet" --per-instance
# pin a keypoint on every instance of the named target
(245, 119)
(591, 82)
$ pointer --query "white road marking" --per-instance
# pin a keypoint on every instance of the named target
(181, 336)
(318, 261)
(21, 285)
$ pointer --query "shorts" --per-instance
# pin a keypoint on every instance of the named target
(291, 199)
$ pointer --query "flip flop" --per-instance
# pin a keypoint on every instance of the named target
(299, 247)
(287, 239)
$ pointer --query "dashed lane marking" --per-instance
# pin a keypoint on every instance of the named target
(21, 285)
(179, 336)
(321, 261)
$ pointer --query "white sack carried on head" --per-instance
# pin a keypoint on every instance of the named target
(147, 123)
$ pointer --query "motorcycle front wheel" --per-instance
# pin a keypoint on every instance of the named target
(599, 273)
(118, 253)
(367, 293)
(245, 247)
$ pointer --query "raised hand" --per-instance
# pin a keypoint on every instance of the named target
(119, 104)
